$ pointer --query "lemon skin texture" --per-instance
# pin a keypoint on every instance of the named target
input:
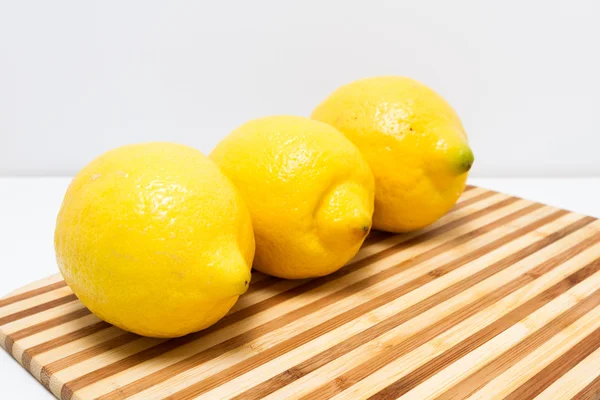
(414, 142)
(154, 239)
(309, 191)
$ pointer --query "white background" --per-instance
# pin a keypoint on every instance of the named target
(78, 78)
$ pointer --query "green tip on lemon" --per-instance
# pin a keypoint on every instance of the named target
(466, 159)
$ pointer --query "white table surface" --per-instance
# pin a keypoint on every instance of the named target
(28, 208)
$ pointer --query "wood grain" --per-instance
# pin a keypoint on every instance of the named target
(498, 299)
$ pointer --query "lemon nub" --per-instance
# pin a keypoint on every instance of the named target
(465, 159)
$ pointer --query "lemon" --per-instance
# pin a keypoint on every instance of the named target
(414, 142)
(309, 191)
(154, 239)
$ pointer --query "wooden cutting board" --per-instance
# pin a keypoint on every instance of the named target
(499, 299)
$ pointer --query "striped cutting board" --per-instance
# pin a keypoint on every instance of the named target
(499, 299)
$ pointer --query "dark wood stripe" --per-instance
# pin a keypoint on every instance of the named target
(62, 340)
(292, 315)
(263, 284)
(51, 323)
(473, 200)
(468, 187)
(86, 354)
(388, 355)
(319, 360)
(37, 309)
(539, 382)
(421, 374)
(590, 392)
(257, 276)
(376, 236)
(31, 293)
(42, 326)
(516, 353)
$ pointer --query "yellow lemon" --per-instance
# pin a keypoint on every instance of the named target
(309, 191)
(414, 142)
(154, 239)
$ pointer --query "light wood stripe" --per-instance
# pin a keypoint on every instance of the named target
(319, 304)
(589, 367)
(409, 247)
(498, 298)
(321, 329)
(397, 351)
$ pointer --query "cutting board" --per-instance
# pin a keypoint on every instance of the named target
(498, 299)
